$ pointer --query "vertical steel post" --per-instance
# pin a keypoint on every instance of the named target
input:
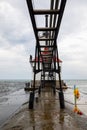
(46, 25)
(61, 95)
(32, 94)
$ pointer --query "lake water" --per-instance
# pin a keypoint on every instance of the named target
(12, 96)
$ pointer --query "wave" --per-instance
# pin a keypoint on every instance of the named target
(84, 92)
(7, 87)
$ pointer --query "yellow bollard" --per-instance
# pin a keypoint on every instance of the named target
(76, 96)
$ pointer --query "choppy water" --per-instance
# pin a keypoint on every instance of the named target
(9, 86)
(81, 84)
(81, 102)
(12, 96)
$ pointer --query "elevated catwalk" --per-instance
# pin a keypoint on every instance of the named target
(46, 49)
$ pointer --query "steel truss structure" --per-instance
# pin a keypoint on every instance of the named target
(46, 50)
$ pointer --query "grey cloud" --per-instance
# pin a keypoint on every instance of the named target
(16, 35)
(13, 25)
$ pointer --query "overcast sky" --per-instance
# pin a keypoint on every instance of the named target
(17, 40)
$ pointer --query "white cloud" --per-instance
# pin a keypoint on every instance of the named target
(73, 52)
(72, 40)
(14, 39)
(14, 61)
(13, 24)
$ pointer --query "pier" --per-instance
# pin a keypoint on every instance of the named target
(48, 106)
(46, 115)
(46, 49)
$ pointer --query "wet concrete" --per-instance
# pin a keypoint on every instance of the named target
(46, 115)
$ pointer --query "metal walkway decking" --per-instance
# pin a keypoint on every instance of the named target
(46, 50)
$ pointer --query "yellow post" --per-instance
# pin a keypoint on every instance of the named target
(76, 96)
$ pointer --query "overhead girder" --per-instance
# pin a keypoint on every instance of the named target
(43, 12)
(46, 45)
(55, 12)
(50, 30)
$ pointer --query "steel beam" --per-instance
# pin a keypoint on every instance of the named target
(43, 12)
(55, 16)
(49, 46)
(46, 29)
(46, 39)
(62, 7)
(30, 8)
(51, 8)
(48, 51)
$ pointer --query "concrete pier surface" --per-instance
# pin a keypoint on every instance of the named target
(46, 115)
